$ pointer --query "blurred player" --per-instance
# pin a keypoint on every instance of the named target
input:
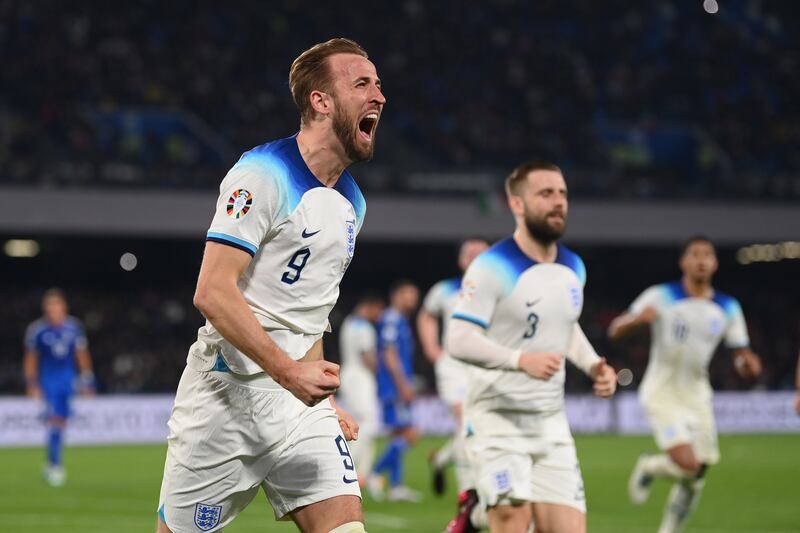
(687, 319)
(56, 356)
(515, 320)
(797, 386)
(252, 408)
(395, 374)
(359, 392)
(451, 374)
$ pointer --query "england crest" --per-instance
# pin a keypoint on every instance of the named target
(206, 517)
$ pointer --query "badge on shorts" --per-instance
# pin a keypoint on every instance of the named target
(502, 480)
(239, 203)
(206, 517)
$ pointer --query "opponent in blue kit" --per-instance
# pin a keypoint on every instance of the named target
(253, 408)
(395, 374)
(56, 361)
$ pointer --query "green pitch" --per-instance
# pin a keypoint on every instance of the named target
(754, 489)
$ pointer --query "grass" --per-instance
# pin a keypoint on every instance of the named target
(753, 489)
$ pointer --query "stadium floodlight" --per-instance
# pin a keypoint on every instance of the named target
(21, 248)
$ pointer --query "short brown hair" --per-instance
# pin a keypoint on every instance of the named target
(516, 179)
(311, 71)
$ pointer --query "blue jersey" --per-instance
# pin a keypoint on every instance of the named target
(56, 346)
(394, 330)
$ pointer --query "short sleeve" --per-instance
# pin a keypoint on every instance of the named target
(81, 341)
(480, 291)
(434, 300)
(736, 335)
(389, 332)
(367, 338)
(30, 336)
(651, 297)
(248, 208)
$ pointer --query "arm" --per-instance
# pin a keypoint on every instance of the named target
(468, 342)
(84, 360)
(218, 297)
(370, 360)
(395, 367)
(428, 332)
(624, 325)
(747, 363)
(581, 353)
(30, 368)
(797, 385)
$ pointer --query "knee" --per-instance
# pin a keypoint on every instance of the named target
(690, 464)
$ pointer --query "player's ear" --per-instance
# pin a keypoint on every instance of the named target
(515, 204)
(320, 102)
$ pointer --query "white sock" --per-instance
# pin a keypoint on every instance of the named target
(463, 470)
(662, 466)
(444, 455)
(681, 503)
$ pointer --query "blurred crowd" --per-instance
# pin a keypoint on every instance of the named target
(644, 99)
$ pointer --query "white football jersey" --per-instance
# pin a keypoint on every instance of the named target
(356, 337)
(301, 235)
(441, 300)
(685, 335)
(522, 305)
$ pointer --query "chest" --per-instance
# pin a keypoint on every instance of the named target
(544, 294)
(56, 343)
(692, 321)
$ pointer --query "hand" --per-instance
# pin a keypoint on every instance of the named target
(648, 315)
(406, 393)
(604, 377)
(347, 423)
(540, 365)
(310, 382)
(747, 363)
(33, 391)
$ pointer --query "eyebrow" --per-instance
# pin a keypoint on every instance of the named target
(367, 79)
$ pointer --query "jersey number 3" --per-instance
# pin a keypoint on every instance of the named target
(296, 265)
(533, 321)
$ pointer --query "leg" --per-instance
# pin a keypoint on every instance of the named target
(556, 518)
(323, 516)
(57, 412)
(510, 518)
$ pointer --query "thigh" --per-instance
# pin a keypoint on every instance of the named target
(670, 424)
(556, 518)
(510, 518)
(557, 479)
(314, 463)
(704, 434)
(323, 516)
(215, 459)
(57, 398)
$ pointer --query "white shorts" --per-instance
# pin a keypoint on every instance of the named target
(228, 438)
(505, 476)
(675, 423)
(452, 380)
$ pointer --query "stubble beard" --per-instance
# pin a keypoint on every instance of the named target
(347, 135)
(541, 230)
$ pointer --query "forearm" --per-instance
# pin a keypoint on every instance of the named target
(428, 331)
(469, 343)
(581, 352)
(30, 368)
(395, 368)
(84, 361)
(624, 325)
(229, 313)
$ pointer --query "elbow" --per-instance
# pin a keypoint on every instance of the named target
(203, 300)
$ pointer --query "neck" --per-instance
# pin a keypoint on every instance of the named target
(536, 250)
(698, 288)
(322, 153)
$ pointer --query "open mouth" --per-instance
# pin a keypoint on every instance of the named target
(366, 126)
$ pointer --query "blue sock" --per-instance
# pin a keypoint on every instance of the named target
(392, 460)
(54, 445)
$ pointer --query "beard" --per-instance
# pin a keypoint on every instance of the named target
(346, 130)
(542, 230)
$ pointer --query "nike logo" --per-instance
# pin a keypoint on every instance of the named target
(531, 304)
(344, 478)
(306, 234)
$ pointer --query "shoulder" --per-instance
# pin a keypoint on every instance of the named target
(446, 287)
(503, 261)
(35, 328)
(347, 187)
(571, 260)
(727, 303)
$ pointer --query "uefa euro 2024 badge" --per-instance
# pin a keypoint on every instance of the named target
(206, 517)
(239, 203)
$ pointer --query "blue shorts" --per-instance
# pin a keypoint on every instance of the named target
(57, 397)
(396, 414)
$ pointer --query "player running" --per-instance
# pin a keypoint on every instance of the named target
(252, 408)
(687, 320)
(54, 345)
(515, 320)
(359, 392)
(451, 374)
